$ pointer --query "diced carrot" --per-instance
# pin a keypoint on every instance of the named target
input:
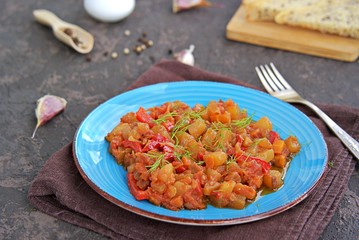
(278, 146)
(265, 143)
(264, 124)
(217, 158)
(273, 179)
(209, 161)
(267, 181)
(224, 117)
(234, 111)
(227, 187)
(245, 190)
(292, 144)
(280, 160)
(177, 202)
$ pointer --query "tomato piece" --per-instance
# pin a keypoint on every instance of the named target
(199, 177)
(154, 143)
(159, 138)
(159, 110)
(115, 143)
(135, 191)
(135, 146)
(169, 153)
(265, 166)
(151, 145)
(273, 136)
(178, 166)
(239, 139)
(200, 155)
(168, 125)
(230, 150)
(143, 116)
(198, 188)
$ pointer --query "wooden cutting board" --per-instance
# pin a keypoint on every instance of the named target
(294, 39)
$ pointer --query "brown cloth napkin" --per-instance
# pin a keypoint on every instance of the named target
(60, 191)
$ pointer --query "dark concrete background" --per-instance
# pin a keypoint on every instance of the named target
(34, 63)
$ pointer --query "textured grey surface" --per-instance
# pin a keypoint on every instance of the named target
(34, 63)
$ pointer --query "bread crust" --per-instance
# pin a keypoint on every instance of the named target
(340, 17)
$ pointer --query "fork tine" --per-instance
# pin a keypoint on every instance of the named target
(263, 80)
(280, 77)
(270, 78)
(273, 77)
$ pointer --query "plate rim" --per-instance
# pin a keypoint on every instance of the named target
(188, 221)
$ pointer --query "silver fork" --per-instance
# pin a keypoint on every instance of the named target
(278, 87)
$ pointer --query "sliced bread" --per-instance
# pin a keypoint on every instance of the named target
(339, 17)
(266, 10)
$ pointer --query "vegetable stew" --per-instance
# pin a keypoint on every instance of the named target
(181, 157)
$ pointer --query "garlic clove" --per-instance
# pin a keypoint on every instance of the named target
(186, 56)
(181, 5)
(48, 107)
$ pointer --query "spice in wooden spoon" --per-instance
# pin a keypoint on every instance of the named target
(72, 35)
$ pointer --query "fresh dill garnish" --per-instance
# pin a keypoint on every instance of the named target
(219, 126)
(164, 117)
(180, 126)
(257, 141)
(159, 160)
(200, 163)
(180, 152)
(221, 137)
(231, 159)
(196, 115)
(183, 124)
(242, 123)
(178, 156)
(221, 130)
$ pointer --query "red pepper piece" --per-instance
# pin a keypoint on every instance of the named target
(134, 189)
(135, 146)
(159, 138)
(143, 116)
(154, 143)
(180, 169)
(169, 153)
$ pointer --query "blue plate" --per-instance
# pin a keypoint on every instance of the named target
(106, 177)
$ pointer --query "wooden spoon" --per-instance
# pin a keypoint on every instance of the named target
(72, 35)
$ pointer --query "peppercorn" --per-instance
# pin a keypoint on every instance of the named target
(114, 55)
(126, 51)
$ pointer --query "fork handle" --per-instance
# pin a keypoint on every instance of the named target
(347, 140)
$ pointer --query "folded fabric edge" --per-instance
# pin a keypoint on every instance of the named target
(49, 205)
